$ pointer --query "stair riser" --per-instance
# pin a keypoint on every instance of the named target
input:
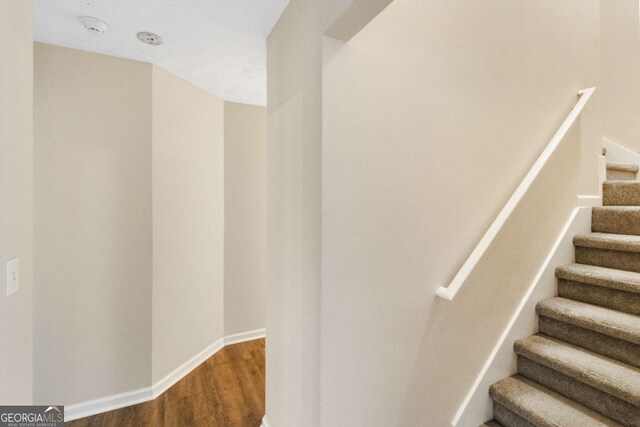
(508, 418)
(541, 350)
(629, 261)
(616, 221)
(614, 348)
(615, 175)
(605, 297)
(597, 400)
(621, 195)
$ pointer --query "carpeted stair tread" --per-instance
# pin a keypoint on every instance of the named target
(615, 378)
(543, 407)
(608, 241)
(621, 193)
(583, 368)
(616, 219)
(599, 319)
(623, 167)
(621, 171)
(628, 281)
(506, 417)
(601, 402)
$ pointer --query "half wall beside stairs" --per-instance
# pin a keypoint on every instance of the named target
(582, 366)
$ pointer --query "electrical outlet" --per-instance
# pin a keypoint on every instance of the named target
(13, 276)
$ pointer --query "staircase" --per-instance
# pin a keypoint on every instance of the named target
(583, 367)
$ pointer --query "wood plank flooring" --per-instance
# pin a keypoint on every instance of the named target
(225, 391)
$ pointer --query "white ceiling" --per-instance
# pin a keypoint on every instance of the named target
(218, 45)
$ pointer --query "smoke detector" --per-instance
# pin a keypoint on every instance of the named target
(149, 38)
(94, 24)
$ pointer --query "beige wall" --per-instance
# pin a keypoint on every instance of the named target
(449, 103)
(188, 221)
(92, 225)
(16, 209)
(245, 203)
(294, 134)
(129, 224)
(294, 217)
(620, 83)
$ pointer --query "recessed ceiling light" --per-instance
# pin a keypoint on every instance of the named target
(94, 24)
(149, 38)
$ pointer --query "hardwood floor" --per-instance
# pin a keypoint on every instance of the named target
(226, 391)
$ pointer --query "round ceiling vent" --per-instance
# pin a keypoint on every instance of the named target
(94, 24)
(149, 38)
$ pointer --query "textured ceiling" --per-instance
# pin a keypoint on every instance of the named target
(218, 45)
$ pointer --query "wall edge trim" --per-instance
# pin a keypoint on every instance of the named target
(183, 370)
(145, 394)
(244, 336)
(107, 403)
(505, 333)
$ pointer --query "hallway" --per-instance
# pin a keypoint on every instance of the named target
(431, 208)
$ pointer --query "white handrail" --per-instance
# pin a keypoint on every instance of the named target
(450, 292)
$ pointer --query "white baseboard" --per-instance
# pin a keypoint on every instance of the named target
(265, 422)
(184, 369)
(476, 407)
(589, 201)
(108, 403)
(128, 398)
(244, 336)
(619, 153)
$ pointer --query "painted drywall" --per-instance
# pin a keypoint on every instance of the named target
(217, 46)
(618, 153)
(245, 217)
(525, 322)
(620, 82)
(92, 225)
(355, 18)
(449, 103)
(16, 209)
(129, 224)
(294, 124)
(188, 221)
